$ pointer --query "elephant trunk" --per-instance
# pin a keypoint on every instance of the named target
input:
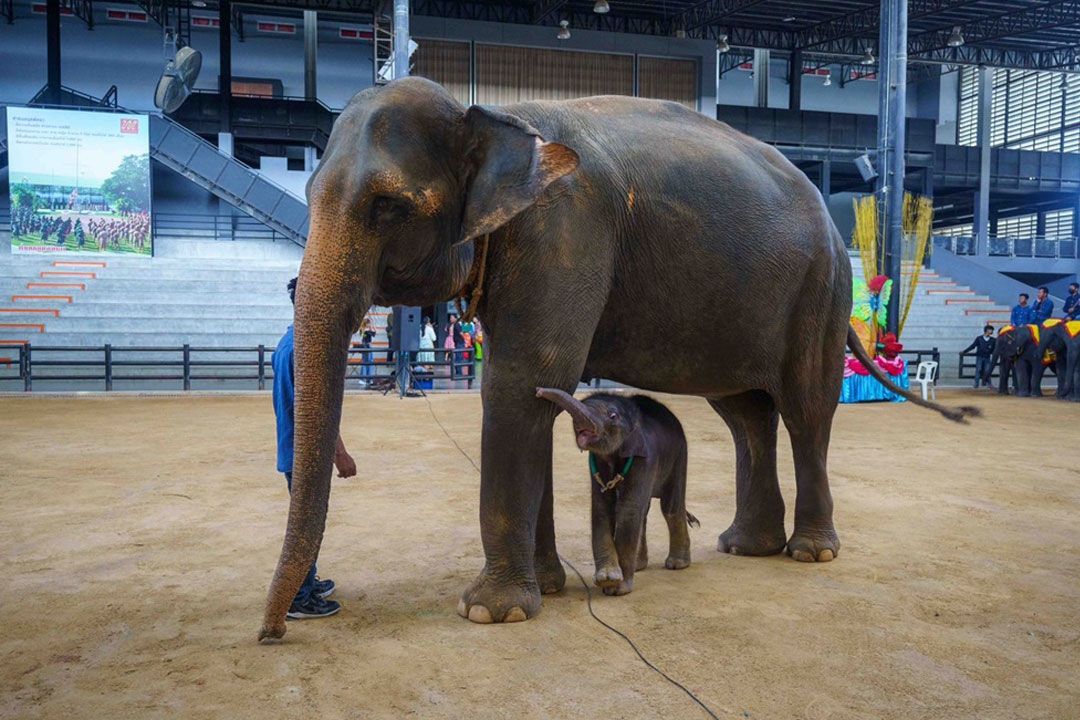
(587, 425)
(329, 301)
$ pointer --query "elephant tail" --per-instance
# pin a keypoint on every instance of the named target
(691, 520)
(957, 414)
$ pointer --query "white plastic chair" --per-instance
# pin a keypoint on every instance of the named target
(926, 376)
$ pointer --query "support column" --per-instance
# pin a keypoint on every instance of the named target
(311, 158)
(311, 50)
(401, 69)
(52, 43)
(826, 180)
(225, 140)
(795, 81)
(761, 78)
(982, 196)
(892, 94)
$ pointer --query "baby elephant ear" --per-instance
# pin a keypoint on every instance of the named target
(510, 166)
(635, 444)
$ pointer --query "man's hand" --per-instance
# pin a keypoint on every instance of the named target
(345, 464)
(343, 461)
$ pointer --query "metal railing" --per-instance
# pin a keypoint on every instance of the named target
(24, 364)
(967, 366)
(213, 227)
(1018, 247)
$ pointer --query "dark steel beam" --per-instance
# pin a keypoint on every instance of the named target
(238, 22)
(52, 49)
(712, 11)
(7, 9)
(546, 8)
(82, 9)
(1062, 13)
(225, 64)
(865, 22)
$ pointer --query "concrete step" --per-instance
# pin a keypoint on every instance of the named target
(153, 312)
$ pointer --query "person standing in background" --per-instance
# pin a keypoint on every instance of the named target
(427, 343)
(984, 351)
(367, 359)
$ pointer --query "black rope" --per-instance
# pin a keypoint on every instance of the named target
(588, 590)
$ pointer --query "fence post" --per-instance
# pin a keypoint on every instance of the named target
(108, 367)
(28, 381)
(262, 367)
(187, 366)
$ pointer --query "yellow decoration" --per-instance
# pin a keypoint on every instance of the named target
(865, 331)
(918, 217)
(1053, 322)
(1035, 333)
(1073, 328)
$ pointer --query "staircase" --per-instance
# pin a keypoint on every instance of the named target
(945, 315)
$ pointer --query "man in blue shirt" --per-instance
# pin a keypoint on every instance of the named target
(310, 600)
(1044, 306)
(1021, 314)
(984, 351)
(1072, 303)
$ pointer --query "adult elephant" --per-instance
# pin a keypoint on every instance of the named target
(1018, 350)
(592, 223)
(1063, 338)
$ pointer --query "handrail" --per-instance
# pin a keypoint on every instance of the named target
(1031, 246)
(362, 364)
(257, 96)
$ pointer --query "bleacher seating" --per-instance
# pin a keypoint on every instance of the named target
(945, 315)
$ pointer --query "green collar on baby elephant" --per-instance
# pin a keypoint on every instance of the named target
(619, 477)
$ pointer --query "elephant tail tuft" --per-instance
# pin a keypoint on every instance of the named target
(691, 520)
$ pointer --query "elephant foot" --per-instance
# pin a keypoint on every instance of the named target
(490, 600)
(550, 575)
(677, 563)
(814, 545)
(623, 587)
(741, 540)
(608, 576)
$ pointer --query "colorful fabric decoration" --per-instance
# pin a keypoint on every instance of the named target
(1073, 328)
(860, 386)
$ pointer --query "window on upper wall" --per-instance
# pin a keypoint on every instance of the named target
(1059, 223)
(1029, 110)
(1022, 226)
(956, 230)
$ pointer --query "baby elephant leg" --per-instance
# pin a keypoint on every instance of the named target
(605, 556)
(629, 523)
(643, 546)
(673, 505)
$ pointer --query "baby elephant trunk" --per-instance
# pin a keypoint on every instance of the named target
(586, 423)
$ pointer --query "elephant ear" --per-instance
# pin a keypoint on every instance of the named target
(510, 166)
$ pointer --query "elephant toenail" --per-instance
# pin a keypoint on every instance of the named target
(515, 614)
(479, 614)
(462, 608)
(802, 556)
(825, 555)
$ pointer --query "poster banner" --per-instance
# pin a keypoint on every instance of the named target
(80, 182)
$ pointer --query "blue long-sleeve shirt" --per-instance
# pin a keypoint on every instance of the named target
(284, 396)
(1043, 309)
(1022, 315)
(1072, 306)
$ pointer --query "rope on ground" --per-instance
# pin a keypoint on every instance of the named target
(588, 590)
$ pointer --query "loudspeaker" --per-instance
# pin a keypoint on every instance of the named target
(406, 329)
(865, 168)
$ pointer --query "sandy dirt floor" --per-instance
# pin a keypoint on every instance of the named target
(138, 536)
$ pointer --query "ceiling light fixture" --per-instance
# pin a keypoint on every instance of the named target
(828, 79)
(955, 38)
(789, 18)
(564, 30)
(601, 7)
(867, 58)
(722, 46)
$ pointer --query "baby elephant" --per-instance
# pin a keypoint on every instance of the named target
(637, 451)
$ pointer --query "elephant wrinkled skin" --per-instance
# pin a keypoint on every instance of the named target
(631, 239)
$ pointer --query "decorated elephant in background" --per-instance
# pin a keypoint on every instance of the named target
(1018, 351)
(579, 227)
(1062, 337)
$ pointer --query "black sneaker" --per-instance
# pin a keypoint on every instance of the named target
(323, 588)
(312, 607)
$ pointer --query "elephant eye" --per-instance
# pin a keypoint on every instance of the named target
(387, 209)
(614, 416)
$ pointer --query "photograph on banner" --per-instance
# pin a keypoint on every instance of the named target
(79, 181)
